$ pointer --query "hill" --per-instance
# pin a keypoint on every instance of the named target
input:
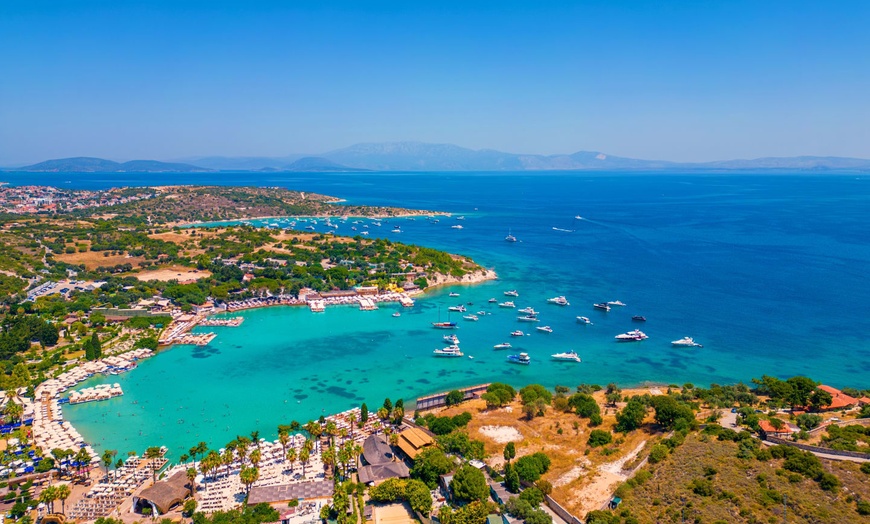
(314, 163)
(101, 165)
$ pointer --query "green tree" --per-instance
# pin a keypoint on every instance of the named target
(363, 414)
(418, 496)
(511, 478)
(531, 467)
(820, 399)
(510, 451)
(668, 411)
(632, 415)
(469, 484)
(801, 389)
(599, 437)
(249, 475)
(533, 392)
(429, 465)
(454, 397)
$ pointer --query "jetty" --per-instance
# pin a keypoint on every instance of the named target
(367, 304)
(223, 322)
(96, 393)
(440, 399)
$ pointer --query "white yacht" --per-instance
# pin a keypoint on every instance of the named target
(453, 339)
(503, 345)
(584, 320)
(528, 318)
(453, 294)
(460, 308)
(632, 336)
(507, 304)
(473, 318)
(569, 356)
(545, 329)
(559, 301)
(449, 351)
(511, 293)
(615, 303)
(529, 311)
(688, 342)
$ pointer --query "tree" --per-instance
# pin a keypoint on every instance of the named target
(531, 467)
(511, 478)
(108, 458)
(658, 453)
(363, 413)
(418, 496)
(454, 397)
(249, 475)
(631, 416)
(469, 484)
(191, 479)
(189, 507)
(510, 451)
(584, 405)
(63, 493)
(820, 399)
(801, 389)
(532, 392)
(388, 405)
(599, 437)
(430, 464)
(669, 411)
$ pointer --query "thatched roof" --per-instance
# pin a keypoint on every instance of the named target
(377, 451)
(167, 493)
(381, 472)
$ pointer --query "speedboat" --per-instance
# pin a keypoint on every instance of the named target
(457, 226)
(453, 339)
(507, 304)
(584, 320)
(460, 308)
(481, 313)
(529, 311)
(397, 314)
(602, 306)
(503, 345)
(615, 303)
(449, 351)
(366, 233)
(310, 227)
(492, 301)
(631, 336)
(569, 356)
(686, 342)
(559, 301)
(528, 318)
(545, 329)
(397, 230)
(517, 333)
(511, 293)
(578, 217)
(453, 294)
(639, 318)
(444, 325)
(460, 218)
(473, 318)
(522, 358)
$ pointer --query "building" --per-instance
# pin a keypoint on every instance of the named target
(380, 462)
(413, 440)
(839, 400)
(163, 495)
(284, 493)
(766, 429)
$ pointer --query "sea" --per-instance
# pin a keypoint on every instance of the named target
(768, 271)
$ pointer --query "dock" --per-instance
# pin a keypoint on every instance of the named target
(223, 322)
(406, 301)
(99, 392)
(367, 304)
(440, 399)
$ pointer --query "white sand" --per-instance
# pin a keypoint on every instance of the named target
(502, 434)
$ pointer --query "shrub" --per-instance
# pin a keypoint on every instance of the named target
(865, 468)
(599, 437)
(863, 507)
(533, 392)
(702, 487)
(533, 496)
(454, 397)
(829, 482)
(531, 467)
(658, 453)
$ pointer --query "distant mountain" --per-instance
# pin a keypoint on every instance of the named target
(100, 165)
(419, 156)
(316, 163)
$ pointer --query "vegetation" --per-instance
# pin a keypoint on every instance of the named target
(415, 492)
(469, 484)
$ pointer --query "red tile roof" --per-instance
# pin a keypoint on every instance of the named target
(767, 427)
(838, 398)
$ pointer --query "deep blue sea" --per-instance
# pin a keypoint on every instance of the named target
(768, 272)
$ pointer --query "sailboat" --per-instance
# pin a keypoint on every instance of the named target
(510, 237)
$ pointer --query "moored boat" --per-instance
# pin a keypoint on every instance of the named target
(568, 356)
(444, 325)
(522, 358)
(529, 311)
(449, 351)
(503, 345)
(584, 320)
(559, 301)
(602, 306)
(507, 304)
(460, 308)
(397, 314)
(528, 318)
(615, 303)
(517, 333)
(492, 301)
(473, 318)
(453, 294)
(511, 293)
(686, 342)
(545, 329)
(631, 336)
(453, 339)
(639, 318)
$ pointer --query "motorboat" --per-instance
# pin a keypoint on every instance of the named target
(529, 311)
(366, 233)
(568, 356)
(457, 226)
(511, 293)
(459, 309)
(503, 345)
(638, 318)
(631, 336)
(397, 314)
(510, 238)
(473, 318)
(517, 333)
(584, 320)
(686, 342)
(449, 351)
(522, 358)
(453, 339)
(545, 329)
(481, 313)
(460, 218)
(615, 303)
(559, 301)
(492, 301)
(602, 306)
(507, 304)
(396, 230)
(444, 325)
(578, 217)
(310, 227)
(528, 318)
(453, 294)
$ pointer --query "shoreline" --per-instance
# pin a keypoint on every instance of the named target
(229, 222)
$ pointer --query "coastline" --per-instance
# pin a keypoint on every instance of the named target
(381, 216)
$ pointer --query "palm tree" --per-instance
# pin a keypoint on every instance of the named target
(63, 493)
(47, 496)
(303, 458)
(248, 476)
(255, 438)
(291, 456)
(331, 430)
(284, 439)
(351, 417)
(227, 459)
(108, 459)
(255, 458)
(191, 477)
(118, 465)
(13, 411)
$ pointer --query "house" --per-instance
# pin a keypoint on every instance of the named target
(164, 495)
(248, 277)
(864, 401)
(413, 440)
(839, 400)
(380, 462)
(766, 429)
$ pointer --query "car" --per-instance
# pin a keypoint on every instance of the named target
(733, 410)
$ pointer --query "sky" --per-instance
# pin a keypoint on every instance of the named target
(682, 81)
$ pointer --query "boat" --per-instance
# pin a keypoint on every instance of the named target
(397, 230)
(460, 218)
(473, 318)
(366, 233)
(457, 226)
(528, 318)
(492, 301)
(545, 329)
(522, 358)
(507, 304)
(568, 356)
(559, 301)
(444, 325)
(510, 237)
(310, 227)
(481, 313)
(453, 294)
(563, 230)
(631, 336)
(453, 339)
(517, 333)
(615, 303)
(686, 342)
(397, 314)
(578, 217)
(449, 351)
(460, 308)
(639, 318)
(528, 311)
(602, 306)
(503, 345)
(511, 293)
(584, 320)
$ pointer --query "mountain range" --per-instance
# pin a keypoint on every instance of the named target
(419, 156)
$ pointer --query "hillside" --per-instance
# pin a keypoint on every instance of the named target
(100, 165)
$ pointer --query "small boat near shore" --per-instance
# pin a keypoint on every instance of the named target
(631, 336)
(492, 301)
(559, 301)
(473, 318)
(510, 237)
(545, 329)
(584, 320)
(453, 294)
(503, 345)
(453, 339)
(459, 309)
(511, 293)
(686, 342)
(522, 358)
(397, 314)
(457, 226)
(603, 306)
(638, 318)
(529, 311)
(616, 303)
(444, 325)
(568, 356)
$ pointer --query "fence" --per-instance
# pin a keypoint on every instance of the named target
(563, 513)
(817, 449)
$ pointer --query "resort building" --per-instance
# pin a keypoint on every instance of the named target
(381, 462)
(284, 493)
(839, 400)
(766, 429)
(163, 495)
(413, 440)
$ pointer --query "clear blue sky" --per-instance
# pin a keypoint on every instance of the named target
(690, 80)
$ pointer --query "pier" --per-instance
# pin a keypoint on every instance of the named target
(99, 392)
(440, 399)
(223, 322)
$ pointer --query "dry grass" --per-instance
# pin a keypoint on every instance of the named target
(398, 513)
(94, 259)
(172, 273)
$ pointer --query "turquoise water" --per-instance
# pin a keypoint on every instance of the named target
(768, 272)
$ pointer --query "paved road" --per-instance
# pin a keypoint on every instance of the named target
(826, 455)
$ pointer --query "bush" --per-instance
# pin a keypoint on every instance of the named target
(702, 487)
(807, 421)
(469, 484)
(865, 468)
(863, 507)
(454, 397)
(533, 392)
(533, 496)
(829, 482)
(658, 453)
(531, 467)
(599, 437)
